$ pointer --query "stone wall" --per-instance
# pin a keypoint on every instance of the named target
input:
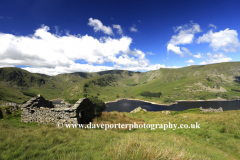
(39, 110)
(9, 104)
(211, 110)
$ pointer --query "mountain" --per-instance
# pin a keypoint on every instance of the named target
(211, 81)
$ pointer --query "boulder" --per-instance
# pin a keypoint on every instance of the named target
(138, 109)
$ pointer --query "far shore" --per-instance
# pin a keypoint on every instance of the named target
(140, 100)
(218, 99)
(58, 99)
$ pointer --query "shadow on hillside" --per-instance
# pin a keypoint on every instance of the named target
(117, 72)
(132, 84)
(82, 74)
(237, 79)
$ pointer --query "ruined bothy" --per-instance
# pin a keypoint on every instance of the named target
(39, 110)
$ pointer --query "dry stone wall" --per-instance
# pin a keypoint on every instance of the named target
(39, 110)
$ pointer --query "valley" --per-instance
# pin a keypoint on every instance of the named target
(213, 81)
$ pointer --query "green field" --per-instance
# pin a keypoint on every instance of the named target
(217, 138)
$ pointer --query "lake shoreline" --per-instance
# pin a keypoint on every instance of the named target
(58, 99)
(176, 102)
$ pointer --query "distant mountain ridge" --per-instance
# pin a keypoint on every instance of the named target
(193, 82)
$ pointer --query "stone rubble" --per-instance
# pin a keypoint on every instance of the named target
(211, 110)
(9, 104)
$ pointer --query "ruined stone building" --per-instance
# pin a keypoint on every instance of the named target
(39, 110)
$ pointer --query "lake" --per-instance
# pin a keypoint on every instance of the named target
(57, 101)
(125, 105)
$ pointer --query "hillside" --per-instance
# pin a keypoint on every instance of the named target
(188, 83)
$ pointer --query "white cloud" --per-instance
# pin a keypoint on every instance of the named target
(186, 51)
(73, 68)
(182, 38)
(118, 27)
(2, 66)
(209, 54)
(216, 58)
(190, 61)
(185, 36)
(54, 54)
(98, 26)
(133, 29)
(226, 40)
(174, 67)
(175, 49)
(212, 25)
(199, 55)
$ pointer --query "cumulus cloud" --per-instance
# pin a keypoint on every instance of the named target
(98, 26)
(133, 29)
(199, 55)
(190, 61)
(175, 49)
(186, 51)
(216, 58)
(212, 25)
(225, 40)
(185, 36)
(53, 54)
(118, 27)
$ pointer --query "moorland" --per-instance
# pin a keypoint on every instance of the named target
(217, 138)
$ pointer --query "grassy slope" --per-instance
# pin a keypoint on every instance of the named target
(217, 138)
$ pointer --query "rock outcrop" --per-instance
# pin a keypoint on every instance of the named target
(138, 109)
(211, 110)
(39, 110)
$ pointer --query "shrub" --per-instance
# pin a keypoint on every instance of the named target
(235, 90)
(29, 94)
(86, 85)
(209, 79)
(168, 100)
(149, 94)
(99, 105)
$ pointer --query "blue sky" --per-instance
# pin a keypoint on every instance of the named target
(60, 36)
